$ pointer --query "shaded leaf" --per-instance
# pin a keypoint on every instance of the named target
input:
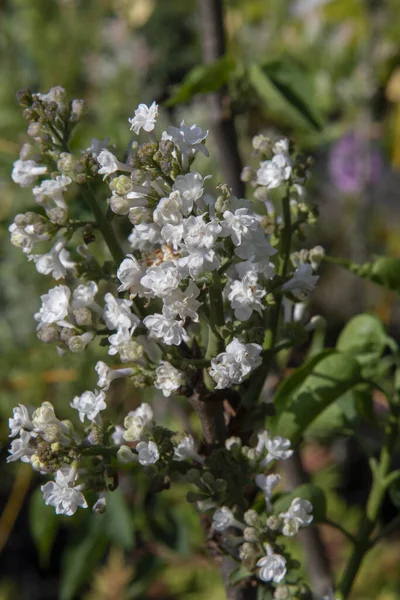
(303, 396)
(203, 79)
(239, 574)
(285, 88)
(364, 337)
(43, 524)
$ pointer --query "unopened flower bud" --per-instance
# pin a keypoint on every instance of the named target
(83, 317)
(233, 442)
(134, 428)
(100, 507)
(192, 476)
(208, 479)
(48, 333)
(248, 552)
(261, 193)
(282, 592)
(51, 433)
(139, 214)
(78, 109)
(251, 535)
(57, 215)
(66, 163)
(261, 143)
(77, 343)
(24, 98)
(121, 185)
(252, 518)
(246, 174)
(120, 205)
(274, 523)
(66, 333)
(316, 255)
(125, 455)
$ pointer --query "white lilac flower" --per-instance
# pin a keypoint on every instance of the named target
(281, 147)
(298, 515)
(267, 483)
(199, 260)
(183, 303)
(160, 281)
(172, 234)
(84, 296)
(134, 428)
(52, 189)
(26, 238)
(278, 448)
(107, 375)
(118, 435)
(56, 262)
(20, 420)
(89, 404)
(224, 518)
(238, 225)
(55, 305)
(272, 566)
(123, 344)
(62, 494)
(262, 267)
(110, 164)
(302, 283)
(170, 331)
(256, 247)
(117, 313)
(25, 172)
(168, 210)
(232, 366)
(188, 139)
(199, 234)
(148, 453)
(145, 118)
(274, 172)
(190, 188)
(168, 379)
(144, 236)
(245, 296)
(130, 273)
(186, 449)
(43, 416)
(20, 448)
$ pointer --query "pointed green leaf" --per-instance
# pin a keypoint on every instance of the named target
(364, 337)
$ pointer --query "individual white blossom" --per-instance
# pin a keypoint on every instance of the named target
(56, 262)
(199, 234)
(267, 483)
(199, 260)
(170, 331)
(298, 515)
(245, 296)
(20, 448)
(161, 280)
(168, 210)
(183, 303)
(117, 313)
(145, 118)
(240, 224)
(224, 518)
(168, 379)
(172, 234)
(130, 273)
(107, 375)
(26, 172)
(110, 164)
(188, 138)
(89, 404)
(62, 494)
(186, 449)
(272, 566)
(144, 236)
(20, 420)
(278, 448)
(302, 283)
(190, 188)
(52, 189)
(148, 453)
(84, 296)
(27, 237)
(123, 344)
(274, 172)
(55, 305)
(138, 423)
(230, 367)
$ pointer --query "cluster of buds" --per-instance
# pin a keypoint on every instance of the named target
(184, 305)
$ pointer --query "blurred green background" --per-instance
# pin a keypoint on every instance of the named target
(325, 73)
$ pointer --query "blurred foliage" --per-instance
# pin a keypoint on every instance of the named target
(313, 69)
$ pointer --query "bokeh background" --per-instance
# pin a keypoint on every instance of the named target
(328, 76)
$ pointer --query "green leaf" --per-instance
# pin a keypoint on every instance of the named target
(303, 396)
(308, 491)
(364, 337)
(118, 520)
(285, 88)
(394, 493)
(203, 79)
(80, 559)
(44, 524)
(383, 270)
(239, 574)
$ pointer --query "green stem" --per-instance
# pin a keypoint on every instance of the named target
(378, 489)
(342, 530)
(104, 226)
